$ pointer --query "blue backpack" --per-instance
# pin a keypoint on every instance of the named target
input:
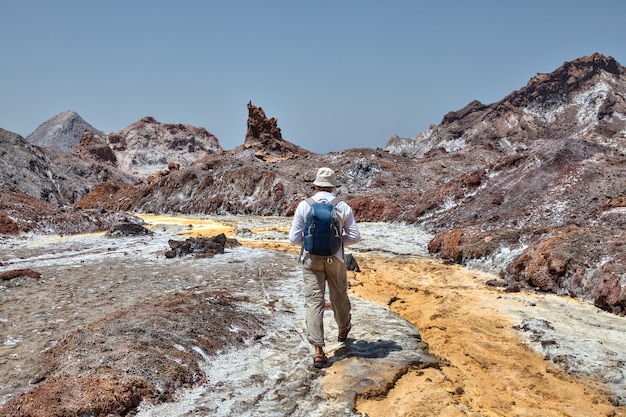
(322, 228)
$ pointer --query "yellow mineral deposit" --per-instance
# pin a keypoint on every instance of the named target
(486, 369)
(195, 226)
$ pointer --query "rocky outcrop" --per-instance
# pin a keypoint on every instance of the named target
(148, 146)
(62, 132)
(39, 184)
(264, 139)
(47, 174)
(203, 247)
(583, 262)
(582, 100)
(92, 148)
(548, 195)
(21, 213)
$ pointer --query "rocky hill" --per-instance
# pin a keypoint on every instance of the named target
(582, 100)
(548, 183)
(62, 132)
(46, 173)
(533, 185)
(147, 146)
(39, 187)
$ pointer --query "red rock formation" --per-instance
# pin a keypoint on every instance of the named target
(94, 148)
(264, 139)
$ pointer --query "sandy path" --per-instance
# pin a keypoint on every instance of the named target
(487, 368)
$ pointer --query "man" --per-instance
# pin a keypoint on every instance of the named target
(322, 270)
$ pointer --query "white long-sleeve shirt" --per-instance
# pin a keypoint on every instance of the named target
(351, 234)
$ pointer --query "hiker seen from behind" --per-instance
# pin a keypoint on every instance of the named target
(324, 225)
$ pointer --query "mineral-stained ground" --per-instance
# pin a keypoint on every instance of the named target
(111, 326)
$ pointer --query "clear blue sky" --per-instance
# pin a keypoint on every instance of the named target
(336, 74)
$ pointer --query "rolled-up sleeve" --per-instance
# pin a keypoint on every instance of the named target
(351, 233)
(297, 225)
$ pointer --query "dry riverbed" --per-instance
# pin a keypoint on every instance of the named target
(429, 339)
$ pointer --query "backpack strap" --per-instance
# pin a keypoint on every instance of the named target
(335, 201)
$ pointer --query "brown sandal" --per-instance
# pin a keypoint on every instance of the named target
(319, 360)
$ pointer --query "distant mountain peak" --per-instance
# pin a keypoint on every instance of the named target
(573, 73)
(570, 78)
(61, 132)
(68, 114)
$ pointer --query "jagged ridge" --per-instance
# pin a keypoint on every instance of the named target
(583, 99)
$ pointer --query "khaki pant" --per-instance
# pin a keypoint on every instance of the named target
(317, 273)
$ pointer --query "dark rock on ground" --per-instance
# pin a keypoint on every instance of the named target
(205, 247)
(19, 273)
(127, 229)
(351, 263)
